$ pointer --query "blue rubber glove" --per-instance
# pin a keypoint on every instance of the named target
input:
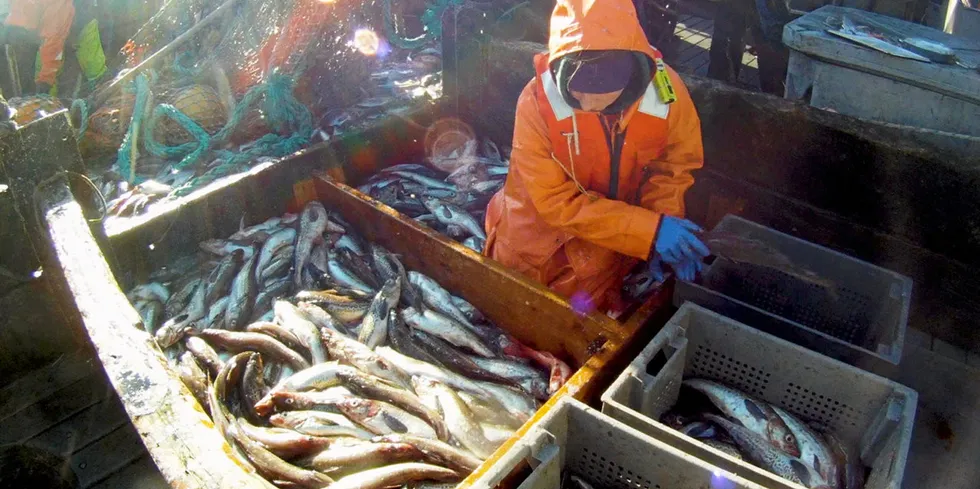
(677, 243)
(687, 270)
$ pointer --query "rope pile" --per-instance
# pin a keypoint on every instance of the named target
(290, 121)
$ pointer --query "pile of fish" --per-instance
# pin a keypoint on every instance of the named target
(453, 203)
(324, 362)
(765, 435)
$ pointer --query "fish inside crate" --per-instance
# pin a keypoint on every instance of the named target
(763, 408)
(577, 447)
(815, 297)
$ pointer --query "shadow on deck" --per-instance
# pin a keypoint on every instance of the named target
(693, 43)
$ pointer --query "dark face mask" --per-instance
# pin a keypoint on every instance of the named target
(563, 69)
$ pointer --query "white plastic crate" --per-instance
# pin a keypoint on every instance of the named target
(607, 453)
(860, 319)
(861, 408)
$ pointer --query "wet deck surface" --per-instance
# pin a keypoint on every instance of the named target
(69, 409)
(694, 40)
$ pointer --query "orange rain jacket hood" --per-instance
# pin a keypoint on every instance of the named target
(586, 192)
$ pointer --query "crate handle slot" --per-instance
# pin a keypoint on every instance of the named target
(656, 393)
(887, 420)
(541, 451)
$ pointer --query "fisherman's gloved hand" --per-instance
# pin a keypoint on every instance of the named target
(687, 270)
(677, 243)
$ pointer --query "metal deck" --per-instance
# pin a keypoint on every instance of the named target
(694, 40)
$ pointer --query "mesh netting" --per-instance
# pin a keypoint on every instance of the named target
(230, 83)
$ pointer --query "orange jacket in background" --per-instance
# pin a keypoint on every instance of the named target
(541, 223)
(51, 19)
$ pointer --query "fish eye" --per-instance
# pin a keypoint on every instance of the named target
(789, 438)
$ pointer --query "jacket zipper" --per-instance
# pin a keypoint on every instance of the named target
(615, 143)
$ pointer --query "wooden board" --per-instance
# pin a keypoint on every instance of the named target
(177, 432)
(37, 385)
(107, 455)
(141, 474)
(532, 313)
(54, 409)
(83, 429)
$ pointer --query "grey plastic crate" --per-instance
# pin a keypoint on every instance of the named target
(861, 408)
(860, 319)
(608, 453)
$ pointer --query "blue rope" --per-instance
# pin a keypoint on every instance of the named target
(190, 152)
(123, 160)
(82, 107)
(183, 69)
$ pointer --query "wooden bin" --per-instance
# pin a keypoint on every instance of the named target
(176, 431)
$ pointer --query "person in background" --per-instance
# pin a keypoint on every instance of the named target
(52, 22)
(756, 22)
(605, 139)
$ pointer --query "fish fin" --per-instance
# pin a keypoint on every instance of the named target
(816, 464)
(393, 423)
(755, 410)
(801, 472)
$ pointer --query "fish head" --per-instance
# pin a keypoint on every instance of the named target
(314, 213)
(290, 401)
(358, 408)
(434, 205)
(781, 436)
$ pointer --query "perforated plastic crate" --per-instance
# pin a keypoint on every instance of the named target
(606, 452)
(852, 310)
(862, 409)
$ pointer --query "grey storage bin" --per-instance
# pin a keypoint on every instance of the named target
(860, 318)
(608, 453)
(861, 408)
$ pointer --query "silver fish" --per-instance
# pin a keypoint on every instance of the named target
(174, 329)
(223, 247)
(414, 367)
(762, 453)
(351, 243)
(343, 276)
(516, 403)
(178, 300)
(458, 417)
(471, 313)
(395, 475)
(448, 213)
(475, 244)
(268, 226)
(354, 455)
(356, 354)
(220, 278)
(216, 314)
(294, 320)
(530, 380)
(813, 451)
(317, 423)
(321, 318)
(151, 313)
(757, 416)
(277, 241)
(242, 296)
(279, 265)
(276, 289)
(424, 180)
(383, 418)
(374, 327)
(446, 328)
(437, 297)
(489, 411)
(313, 222)
(204, 354)
(153, 291)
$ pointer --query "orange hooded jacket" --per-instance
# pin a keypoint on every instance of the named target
(52, 20)
(569, 216)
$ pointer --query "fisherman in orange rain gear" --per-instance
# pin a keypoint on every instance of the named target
(600, 163)
(51, 20)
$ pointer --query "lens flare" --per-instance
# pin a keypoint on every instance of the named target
(367, 42)
(582, 303)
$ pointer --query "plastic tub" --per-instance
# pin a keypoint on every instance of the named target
(860, 408)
